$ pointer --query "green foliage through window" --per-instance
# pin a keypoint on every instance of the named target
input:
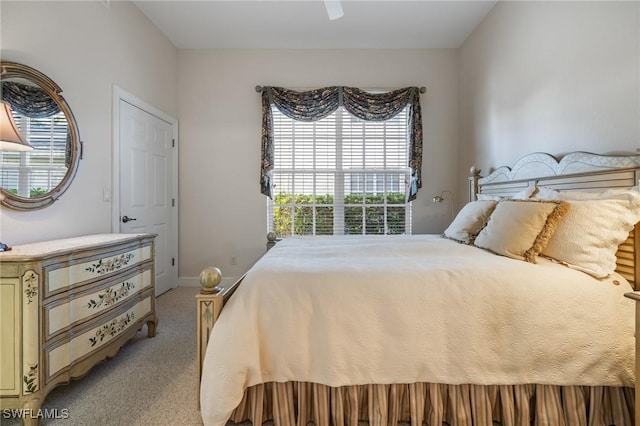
(363, 214)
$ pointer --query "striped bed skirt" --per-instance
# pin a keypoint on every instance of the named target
(298, 403)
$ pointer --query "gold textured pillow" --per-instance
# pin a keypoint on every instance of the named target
(469, 221)
(588, 237)
(521, 229)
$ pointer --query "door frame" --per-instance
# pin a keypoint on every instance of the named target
(119, 95)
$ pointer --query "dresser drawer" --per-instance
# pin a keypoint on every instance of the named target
(67, 312)
(69, 274)
(88, 340)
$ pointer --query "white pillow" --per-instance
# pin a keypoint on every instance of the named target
(524, 194)
(520, 229)
(544, 193)
(588, 237)
(597, 223)
(469, 221)
(487, 197)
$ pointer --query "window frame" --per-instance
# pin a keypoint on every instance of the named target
(402, 177)
(25, 168)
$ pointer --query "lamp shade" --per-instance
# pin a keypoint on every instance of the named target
(10, 137)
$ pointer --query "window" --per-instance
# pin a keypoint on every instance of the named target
(33, 173)
(340, 175)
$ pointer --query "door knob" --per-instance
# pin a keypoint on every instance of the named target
(126, 219)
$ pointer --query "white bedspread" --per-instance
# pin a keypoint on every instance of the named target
(404, 309)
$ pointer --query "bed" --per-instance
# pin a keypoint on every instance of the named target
(422, 328)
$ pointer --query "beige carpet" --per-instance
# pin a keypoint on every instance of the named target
(149, 382)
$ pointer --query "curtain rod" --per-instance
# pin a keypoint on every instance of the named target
(422, 89)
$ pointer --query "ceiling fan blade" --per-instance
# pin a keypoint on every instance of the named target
(334, 9)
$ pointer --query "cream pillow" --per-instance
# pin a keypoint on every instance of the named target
(520, 229)
(469, 221)
(588, 237)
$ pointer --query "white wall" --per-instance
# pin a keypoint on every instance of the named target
(550, 76)
(222, 213)
(85, 48)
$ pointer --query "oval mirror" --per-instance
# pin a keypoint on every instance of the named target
(35, 179)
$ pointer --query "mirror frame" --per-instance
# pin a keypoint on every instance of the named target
(13, 201)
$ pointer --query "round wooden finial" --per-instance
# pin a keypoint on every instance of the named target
(475, 171)
(272, 237)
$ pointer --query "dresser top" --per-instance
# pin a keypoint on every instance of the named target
(54, 247)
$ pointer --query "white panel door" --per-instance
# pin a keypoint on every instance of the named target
(146, 203)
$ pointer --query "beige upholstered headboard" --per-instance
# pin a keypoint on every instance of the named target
(575, 171)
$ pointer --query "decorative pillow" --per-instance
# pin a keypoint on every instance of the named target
(544, 193)
(520, 229)
(597, 223)
(588, 237)
(524, 194)
(487, 197)
(469, 221)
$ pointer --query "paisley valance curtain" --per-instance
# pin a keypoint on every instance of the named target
(317, 104)
(29, 100)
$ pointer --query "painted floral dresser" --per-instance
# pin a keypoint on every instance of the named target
(66, 305)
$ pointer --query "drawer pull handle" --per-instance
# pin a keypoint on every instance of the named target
(126, 219)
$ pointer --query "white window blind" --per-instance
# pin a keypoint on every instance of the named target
(36, 172)
(340, 175)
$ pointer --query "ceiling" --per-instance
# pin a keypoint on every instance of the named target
(304, 24)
